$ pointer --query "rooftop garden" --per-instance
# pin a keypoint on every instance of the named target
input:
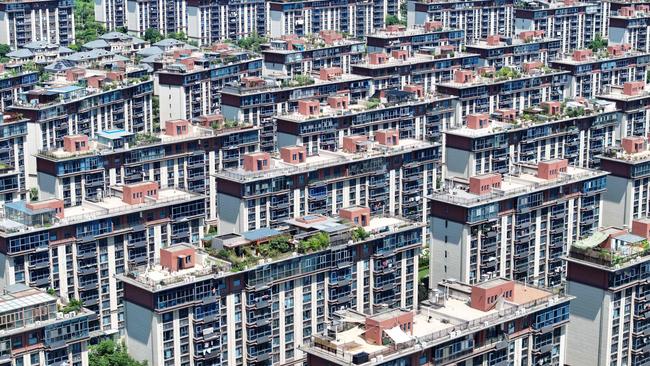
(609, 257)
(298, 80)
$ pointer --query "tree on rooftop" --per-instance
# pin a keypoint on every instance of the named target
(110, 353)
(152, 35)
(598, 43)
(394, 20)
(252, 42)
(4, 50)
(178, 36)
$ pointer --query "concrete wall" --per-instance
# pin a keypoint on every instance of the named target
(616, 202)
(230, 208)
(458, 163)
(589, 316)
(454, 264)
(140, 327)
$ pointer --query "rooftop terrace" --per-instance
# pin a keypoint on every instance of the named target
(450, 315)
(321, 160)
(527, 180)
(613, 248)
(18, 217)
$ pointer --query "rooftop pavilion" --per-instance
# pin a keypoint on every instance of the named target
(235, 252)
(455, 310)
(613, 248)
(527, 179)
(21, 216)
(355, 148)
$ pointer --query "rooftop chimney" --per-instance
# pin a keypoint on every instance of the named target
(462, 76)
(357, 215)
(177, 257)
(330, 73)
(387, 137)
(633, 87)
(400, 54)
(552, 108)
(136, 193)
(177, 127)
(293, 154)
(351, 144)
(641, 227)
(551, 169)
(309, 107)
(338, 101)
(493, 40)
(432, 26)
(483, 184)
(254, 162)
(74, 143)
(581, 55)
(633, 144)
(485, 297)
(377, 58)
(478, 121)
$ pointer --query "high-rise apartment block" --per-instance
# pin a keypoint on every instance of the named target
(496, 322)
(477, 18)
(26, 21)
(517, 225)
(607, 276)
(242, 303)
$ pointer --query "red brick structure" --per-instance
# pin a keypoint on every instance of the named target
(359, 216)
(551, 169)
(257, 161)
(483, 184)
(177, 257)
(293, 154)
(136, 193)
(74, 143)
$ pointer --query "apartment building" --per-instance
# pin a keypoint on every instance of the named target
(25, 21)
(396, 37)
(258, 101)
(36, 329)
(390, 175)
(13, 138)
(516, 225)
(608, 276)
(15, 79)
(410, 112)
(631, 99)
(399, 69)
(577, 131)
(292, 55)
(477, 18)
(628, 181)
(576, 24)
(630, 25)
(486, 91)
(110, 13)
(166, 16)
(77, 251)
(496, 322)
(184, 156)
(84, 101)
(592, 73)
(190, 83)
(236, 306)
(304, 17)
(497, 51)
(214, 21)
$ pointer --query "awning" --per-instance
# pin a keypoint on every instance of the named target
(397, 335)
